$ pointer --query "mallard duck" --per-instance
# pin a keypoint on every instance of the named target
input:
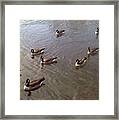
(59, 33)
(35, 52)
(31, 85)
(92, 51)
(97, 32)
(48, 61)
(80, 62)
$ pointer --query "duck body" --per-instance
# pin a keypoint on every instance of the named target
(31, 85)
(59, 33)
(80, 62)
(92, 51)
(35, 52)
(48, 61)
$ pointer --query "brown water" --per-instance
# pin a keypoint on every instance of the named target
(63, 80)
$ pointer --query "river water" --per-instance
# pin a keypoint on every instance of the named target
(62, 80)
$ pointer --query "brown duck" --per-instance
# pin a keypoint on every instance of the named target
(59, 33)
(35, 52)
(48, 61)
(92, 51)
(31, 85)
(81, 62)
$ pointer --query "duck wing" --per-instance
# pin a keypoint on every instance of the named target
(50, 59)
(42, 49)
(36, 82)
(81, 62)
(37, 50)
(32, 88)
(95, 50)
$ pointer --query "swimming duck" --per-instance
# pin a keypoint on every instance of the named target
(48, 61)
(31, 85)
(80, 62)
(59, 33)
(35, 52)
(97, 32)
(92, 51)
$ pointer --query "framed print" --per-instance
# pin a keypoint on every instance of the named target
(59, 60)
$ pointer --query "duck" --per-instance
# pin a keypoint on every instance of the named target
(48, 61)
(32, 85)
(97, 32)
(81, 62)
(59, 33)
(92, 51)
(35, 52)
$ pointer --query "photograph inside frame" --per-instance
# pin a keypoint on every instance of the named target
(59, 59)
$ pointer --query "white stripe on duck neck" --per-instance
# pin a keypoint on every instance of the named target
(26, 88)
(76, 64)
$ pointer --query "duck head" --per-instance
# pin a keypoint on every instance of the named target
(27, 82)
(88, 49)
(77, 60)
(57, 31)
(42, 59)
(97, 28)
(32, 50)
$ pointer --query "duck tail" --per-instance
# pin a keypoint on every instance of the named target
(42, 79)
(96, 49)
(54, 58)
(88, 49)
(42, 49)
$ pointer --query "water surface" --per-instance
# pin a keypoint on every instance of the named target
(63, 80)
